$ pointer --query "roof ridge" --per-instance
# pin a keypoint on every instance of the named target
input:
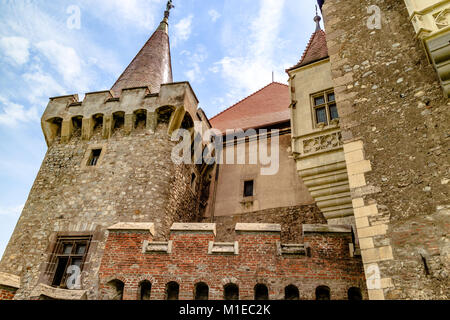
(248, 97)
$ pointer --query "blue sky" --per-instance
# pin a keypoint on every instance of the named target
(226, 49)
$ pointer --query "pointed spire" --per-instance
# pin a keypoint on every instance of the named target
(152, 66)
(317, 47)
(317, 20)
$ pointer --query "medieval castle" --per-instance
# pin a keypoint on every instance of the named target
(358, 209)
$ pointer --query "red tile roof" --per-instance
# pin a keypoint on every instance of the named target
(316, 50)
(270, 105)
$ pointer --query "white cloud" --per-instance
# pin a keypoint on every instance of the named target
(13, 113)
(214, 15)
(193, 63)
(11, 211)
(42, 86)
(138, 13)
(16, 48)
(250, 68)
(182, 30)
(65, 59)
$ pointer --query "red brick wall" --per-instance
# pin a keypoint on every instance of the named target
(329, 264)
(7, 293)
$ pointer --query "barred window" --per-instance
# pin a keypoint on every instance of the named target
(68, 252)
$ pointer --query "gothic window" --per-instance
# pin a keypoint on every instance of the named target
(172, 291)
(145, 288)
(354, 294)
(248, 188)
(261, 292)
(324, 108)
(201, 291)
(68, 252)
(291, 293)
(231, 292)
(323, 293)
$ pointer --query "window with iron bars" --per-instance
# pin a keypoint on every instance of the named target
(68, 251)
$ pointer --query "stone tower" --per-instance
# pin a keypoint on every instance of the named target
(108, 160)
(394, 113)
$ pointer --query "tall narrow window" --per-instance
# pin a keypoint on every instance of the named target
(172, 291)
(145, 290)
(231, 292)
(68, 252)
(95, 156)
(261, 292)
(201, 291)
(248, 188)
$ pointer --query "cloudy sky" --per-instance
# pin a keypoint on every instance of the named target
(226, 49)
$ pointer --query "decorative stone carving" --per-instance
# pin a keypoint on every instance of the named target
(322, 143)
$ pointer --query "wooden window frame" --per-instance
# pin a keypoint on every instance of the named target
(58, 253)
(324, 94)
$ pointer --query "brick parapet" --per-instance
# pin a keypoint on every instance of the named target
(257, 260)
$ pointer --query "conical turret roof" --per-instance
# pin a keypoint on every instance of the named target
(152, 66)
(317, 47)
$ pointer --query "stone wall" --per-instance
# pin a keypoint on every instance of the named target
(134, 181)
(256, 257)
(291, 220)
(395, 124)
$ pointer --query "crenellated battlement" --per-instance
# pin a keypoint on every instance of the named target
(66, 117)
(257, 256)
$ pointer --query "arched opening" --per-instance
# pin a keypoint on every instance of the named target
(55, 126)
(291, 293)
(77, 124)
(97, 123)
(172, 291)
(354, 294)
(115, 290)
(145, 288)
(231, 292)
(323, 293)
(201, 291)
(164, 114)
(261, 292)
(187, 123)
(118, 121)
(140, 119)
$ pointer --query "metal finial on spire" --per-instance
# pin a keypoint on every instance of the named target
(317, 19)
(168, 8)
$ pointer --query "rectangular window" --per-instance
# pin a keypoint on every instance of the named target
(333, 112)
(324, 107)
(95, 156)
(68, 251)
(248, 188)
